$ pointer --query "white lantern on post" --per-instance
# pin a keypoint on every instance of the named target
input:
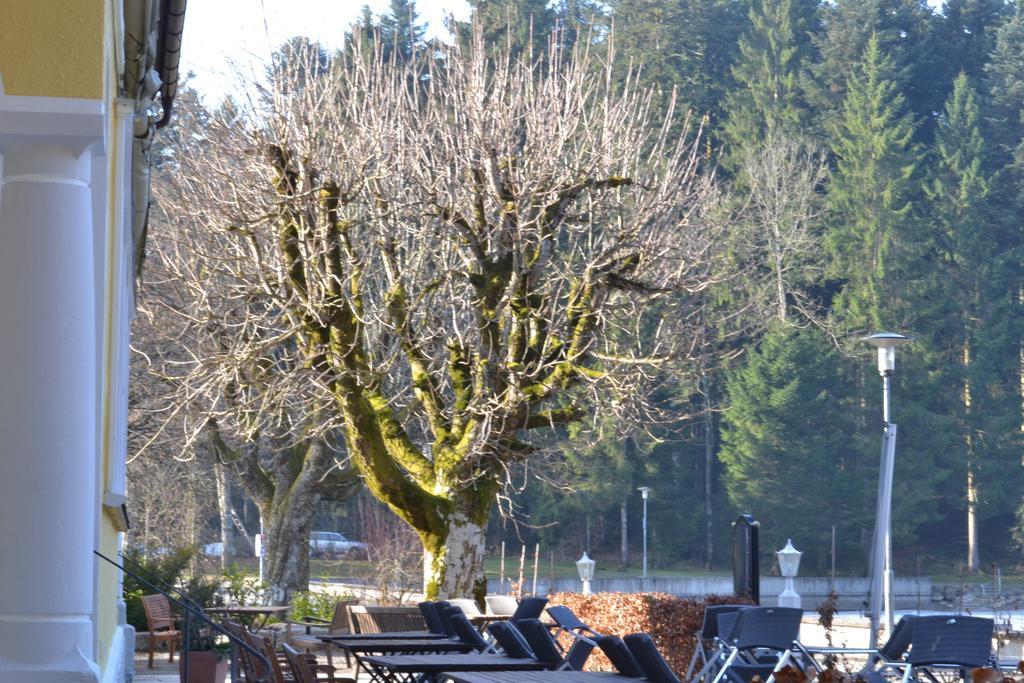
(789, 565)
(585, 566)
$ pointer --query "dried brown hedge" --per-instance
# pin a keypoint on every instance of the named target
(670, 620)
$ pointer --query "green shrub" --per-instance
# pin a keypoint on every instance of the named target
(239, 588)
(318, 604)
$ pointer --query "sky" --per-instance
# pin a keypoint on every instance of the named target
(222, 35)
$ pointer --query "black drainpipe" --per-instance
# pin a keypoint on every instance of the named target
(168, 57)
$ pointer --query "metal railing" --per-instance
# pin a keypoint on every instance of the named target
(189, 611)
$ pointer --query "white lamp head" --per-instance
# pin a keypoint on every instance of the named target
(789, 560)
(644, 491)
(886, 343)
(585, 566)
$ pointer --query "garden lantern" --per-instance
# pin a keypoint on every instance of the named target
(789, 565)
(585, 567)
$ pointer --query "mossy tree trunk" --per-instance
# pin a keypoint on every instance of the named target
(286, 485)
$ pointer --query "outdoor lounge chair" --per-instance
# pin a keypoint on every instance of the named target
(510, 640)
(707, 643)
(646, 654)
(449, 613)
(618, 653)
(429, 611)
(467, 633)
(943, 643)
(760, 642)
(567, 621)
(161, 623)
(529, 608)
(883, 663)
(546, 650)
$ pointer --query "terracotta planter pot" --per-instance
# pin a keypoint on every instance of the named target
(203, 667)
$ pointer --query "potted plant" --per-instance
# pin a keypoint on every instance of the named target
(208, 652)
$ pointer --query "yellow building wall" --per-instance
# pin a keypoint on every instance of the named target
(52, 48)
(107, 587)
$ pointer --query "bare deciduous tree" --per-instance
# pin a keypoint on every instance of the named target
(781, 180)
(446, 258)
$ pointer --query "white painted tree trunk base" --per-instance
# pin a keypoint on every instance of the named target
(459, 563)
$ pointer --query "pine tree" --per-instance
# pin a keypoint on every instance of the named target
(968, 31)
(526, 24)
(687, 44)
(967, 275)
(870, 192)
(1005, 74)
(786, 444)
(775, 54)
(401, 32)
(905, 30)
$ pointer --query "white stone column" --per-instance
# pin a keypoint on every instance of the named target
(48, 374)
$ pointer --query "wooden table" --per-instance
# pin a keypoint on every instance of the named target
(408, 646)
(407, 668)
(536, 677)
(248, 614)
(387, 635)
(361, 648)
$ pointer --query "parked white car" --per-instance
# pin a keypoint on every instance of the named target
(332, 544)
(213, 549)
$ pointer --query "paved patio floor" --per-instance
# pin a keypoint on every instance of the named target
(164, 672)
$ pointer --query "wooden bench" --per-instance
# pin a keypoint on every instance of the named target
(374, 619)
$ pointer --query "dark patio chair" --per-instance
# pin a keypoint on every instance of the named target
(707, 643)
(566, 620)
(546, 650)
(882, 662)
(466, 632)
(646, 653)
(510, 640)
(760, 642)
(529, 608)
(619, 655)
(428, 609)
(949, 643)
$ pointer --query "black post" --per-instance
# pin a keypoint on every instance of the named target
(746, 570)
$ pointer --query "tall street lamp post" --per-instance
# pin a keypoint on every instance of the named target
(645, 492)
(881, 554)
